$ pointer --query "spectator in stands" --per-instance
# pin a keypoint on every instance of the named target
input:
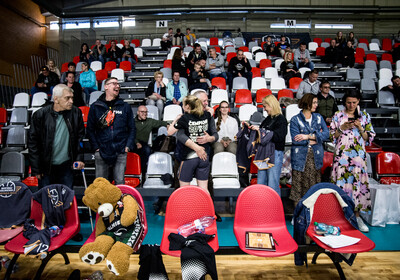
(128, 53)
(351, 130)
(144, 126)
(215, 64)
(71, 68)
(309, 85)
(239, 66)
(269, 48)
(353, 40)
(332, 54)
(195, 55)
(166, 41)
(114, 53)
(85, 55)
(199, 79)
(327, 106)
(395, 88)
(55, 134)
(275, 122)
(227, 128)
(176, 90)
(111, 131)
(302, 57)
(190, 37)
(45, 82)
(194, 125)
(77, 89)
(348, 55)
(156, 92)
(288, 67)
(52, 67)
(177, 40)
(308, 130)
(340, 40)
(99, 52)
(204, 100)
(179, 63)
(396, 53)
(283, 45)
(87, 80)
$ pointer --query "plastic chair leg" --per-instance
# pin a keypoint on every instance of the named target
(11, 266)
(48, 258)
(335, 259)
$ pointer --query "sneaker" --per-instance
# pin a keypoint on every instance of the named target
(361, 226)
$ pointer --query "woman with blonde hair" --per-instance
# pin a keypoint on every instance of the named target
(288, 67)
(156, 92)
(275, 122)
(194, 124)
(51, 64)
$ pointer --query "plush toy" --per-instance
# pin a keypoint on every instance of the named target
(119, 228)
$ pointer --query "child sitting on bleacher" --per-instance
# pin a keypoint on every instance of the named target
(199, 80)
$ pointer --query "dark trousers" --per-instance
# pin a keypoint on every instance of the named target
(59, 174)
(247, 75)
(144, 154)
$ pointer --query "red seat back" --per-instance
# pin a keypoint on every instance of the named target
(219, 82)
(110, 65)
(320, 51)
(243, 96)
(217, 49)
(256, 72)
(185, 205)
(167, 63)
(327, 161)
(265, 63)
(229, 56)
(386, 44)
(260, 94)
(3, 116)
(64, 67)
(76, 59)
(262, 44)
(327, 40)
(133, 166)
(388, 57)
(285, 93)
(214, 41)
(294, 82)
(360, 51)
(363, 40)
(359, 59)
(108, 46)
(318, 41)
(388, 163)
(126, 66)
(136, 42)
(101, 74)
(372, 56)
(244, 48)
(85, 113)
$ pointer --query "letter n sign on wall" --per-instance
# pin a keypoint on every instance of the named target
(161, 23)
(290, 23)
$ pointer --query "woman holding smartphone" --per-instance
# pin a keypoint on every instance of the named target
(351, 130)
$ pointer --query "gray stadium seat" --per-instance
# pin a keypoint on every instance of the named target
(12, 166)
(16, 139)
(369, 73)
(368, 86)
(385, 99)
(385, 64)
(94, 96)
(370, 64)
(239, 83)
(363, 46)
(167, 72)
(19, 116)
(159, 164)
(152, 112)
(252, 44)
(325, 45)
(353, 75)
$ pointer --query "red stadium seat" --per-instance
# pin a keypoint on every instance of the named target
(372, 56)
(276, 43)
(133, 172)
(256, 72)
(327, 161)
(294, 82)
(85, 114)
(386, 44)
(136, 42)
(360, 51)
(64, 67)
(359, 59)
(388, 165)
(244, 48)
(229, 56)
(260, 94)
(285, 93)
(214, 41)
(243, 96)
(126, 66)
(184, 206)
(320, 51)
(327, 40)
(265, 63)
(108, 46)
(3, 117)
(219, 82)
(110, 65)
(262, 44)
(76, 59)
(396, 45)
(318, 41)
(217, 49)
(168, 63)
(388, 57)
(259, 209)
(101, 75)
(363, 40)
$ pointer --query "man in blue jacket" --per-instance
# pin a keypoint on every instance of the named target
(111, 131)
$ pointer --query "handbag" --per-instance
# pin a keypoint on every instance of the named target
(168, 144)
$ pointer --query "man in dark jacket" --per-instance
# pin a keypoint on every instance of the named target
(45, 81)
(54, 137)
(327, 106)
(111, 132)
(239, 66)
(195, 55)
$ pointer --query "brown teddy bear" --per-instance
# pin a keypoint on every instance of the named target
(119, 228)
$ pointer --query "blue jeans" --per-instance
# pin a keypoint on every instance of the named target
(102, 168)
(270, 177)
(144, 154)
(222, 75)
(60, 174)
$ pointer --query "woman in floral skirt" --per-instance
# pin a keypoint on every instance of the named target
(350, 131)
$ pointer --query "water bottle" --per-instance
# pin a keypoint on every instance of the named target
(55, 230)
(197, 226)
(324, 229)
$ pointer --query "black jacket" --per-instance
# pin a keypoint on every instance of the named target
(41, 136)
(150, 89)
(238, 66)
(51, 80)
(192, 56)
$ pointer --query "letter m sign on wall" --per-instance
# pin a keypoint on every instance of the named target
(290, 23)
(161, 23)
